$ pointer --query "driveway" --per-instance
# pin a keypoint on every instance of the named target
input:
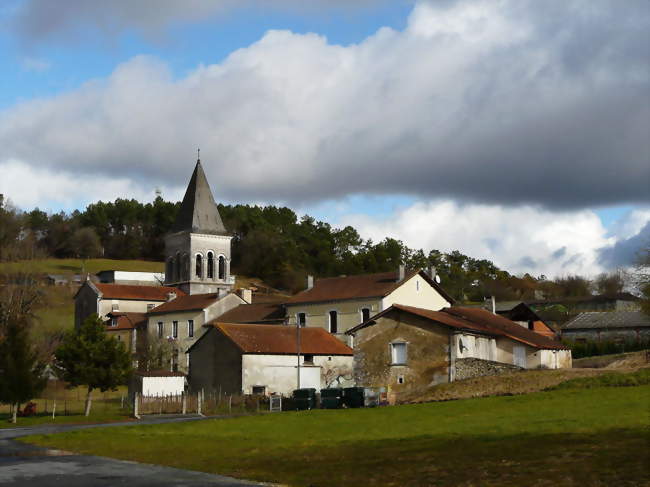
(28, 465)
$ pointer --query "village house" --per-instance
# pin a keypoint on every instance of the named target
(130, 277)
(338, 304)
(181, 321)
(263, 359)
(407, 348)
(128, 328)
(101, 299)
(615, 326)
(522, 314)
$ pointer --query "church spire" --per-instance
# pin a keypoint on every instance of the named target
(198, 212)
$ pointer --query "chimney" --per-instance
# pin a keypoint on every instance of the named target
(171, 296)
(310, 282)
(402, 272)
(432, 272)
(246, 295)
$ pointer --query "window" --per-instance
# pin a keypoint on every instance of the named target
(115, 307)
(150, 306)
(190, 328)
(177, 267)
(113, 321)
(169, 272)
(365, 314)
(308, 358)
(333, 321)
(400, 379)
(259, 390)
(301, 319)
(160, 329)
(210, 265)
(417, 288)
(175, 329)
(398, 353)
(222, 267)
(199, 266)
(119, 338)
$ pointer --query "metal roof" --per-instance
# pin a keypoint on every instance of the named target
(608, 319)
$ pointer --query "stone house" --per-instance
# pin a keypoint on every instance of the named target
(616, 326)
(338, 304)
(105, 298)
(263, 359)
(182, 321)
(407, 348)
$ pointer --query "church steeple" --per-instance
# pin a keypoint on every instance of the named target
(198, 248)
(198, 212)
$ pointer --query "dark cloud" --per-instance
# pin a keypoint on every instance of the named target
(625, 252)
(546, 103)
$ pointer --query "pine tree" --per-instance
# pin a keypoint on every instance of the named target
(89, 357)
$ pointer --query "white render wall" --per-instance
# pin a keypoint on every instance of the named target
(162, 386)
(475, 346)
(416, 292)
(279, 375)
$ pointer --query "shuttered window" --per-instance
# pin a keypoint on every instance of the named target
(398, 353)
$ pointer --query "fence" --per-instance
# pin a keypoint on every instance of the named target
(61, 400)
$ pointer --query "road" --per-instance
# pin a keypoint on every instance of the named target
(28, 465)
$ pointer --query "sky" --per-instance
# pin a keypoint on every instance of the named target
(511, 130)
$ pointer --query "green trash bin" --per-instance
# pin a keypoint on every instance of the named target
(331, 398)
(304, 398)
(353, 397)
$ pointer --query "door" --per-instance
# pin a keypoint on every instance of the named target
(519, 351)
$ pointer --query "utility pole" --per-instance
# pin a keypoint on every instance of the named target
(298, 350)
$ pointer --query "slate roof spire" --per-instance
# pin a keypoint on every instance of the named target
(198, 212)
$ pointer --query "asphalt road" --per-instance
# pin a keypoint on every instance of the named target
(28, 465)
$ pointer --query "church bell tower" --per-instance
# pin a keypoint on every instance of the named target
(198, 248)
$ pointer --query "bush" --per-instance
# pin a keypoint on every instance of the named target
(592, 348)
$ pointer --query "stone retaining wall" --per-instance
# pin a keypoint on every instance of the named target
(466, 368)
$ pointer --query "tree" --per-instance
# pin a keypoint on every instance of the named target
(89, 357)
(156, 353)
(21, 370)
(85, 243)
(610, 283)
(641, 277)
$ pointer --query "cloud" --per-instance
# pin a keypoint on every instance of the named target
(524, 239)
(35, 64)
(28, 187)
(633, 235)
(40, 20)
(499, 103)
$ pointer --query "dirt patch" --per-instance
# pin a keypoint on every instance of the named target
(512, 383)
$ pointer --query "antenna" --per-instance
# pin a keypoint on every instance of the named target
(198, 155)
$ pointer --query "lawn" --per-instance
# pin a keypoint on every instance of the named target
(74, 266)
(596, 436)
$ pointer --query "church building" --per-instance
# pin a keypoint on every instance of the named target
(198, 248)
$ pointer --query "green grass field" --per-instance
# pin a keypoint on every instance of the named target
(74, 266)
(597, 436)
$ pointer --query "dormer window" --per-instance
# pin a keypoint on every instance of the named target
(113, 321)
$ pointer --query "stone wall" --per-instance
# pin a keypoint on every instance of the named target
(467, 368)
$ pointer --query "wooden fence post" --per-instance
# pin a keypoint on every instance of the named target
(230, 404)
(184, 399)
(53, 408)
(136, 396)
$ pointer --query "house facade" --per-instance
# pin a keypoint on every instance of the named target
(182, 321)
(340, 303)
(263, 359)
(408, 349)
(102, 299)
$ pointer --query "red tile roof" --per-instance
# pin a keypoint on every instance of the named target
(253, 313)
(281, 340)
(126, 321)
(188, 302)
(475, 320)
(505, 326)
(358, 287)
(144, 293)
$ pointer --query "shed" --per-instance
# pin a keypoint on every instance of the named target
(157, 383)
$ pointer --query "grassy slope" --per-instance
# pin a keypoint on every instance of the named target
(569, 437)
(73, 266)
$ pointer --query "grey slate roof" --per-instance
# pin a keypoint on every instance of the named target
(608, 319)
(198, 212)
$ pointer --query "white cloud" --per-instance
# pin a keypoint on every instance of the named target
(482, 101)
(28, 187)
(524, 239)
